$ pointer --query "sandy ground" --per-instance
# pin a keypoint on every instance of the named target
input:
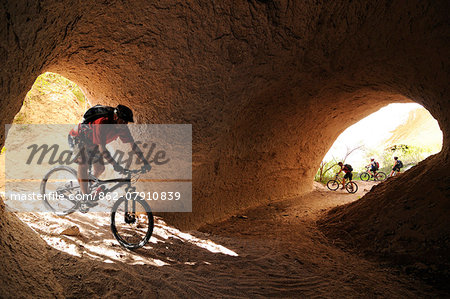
(274, 250)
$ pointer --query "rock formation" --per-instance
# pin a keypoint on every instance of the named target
(267, 85)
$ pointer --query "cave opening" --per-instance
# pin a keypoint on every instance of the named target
(55, 100)
(404, 130)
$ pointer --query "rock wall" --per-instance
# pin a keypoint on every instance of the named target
(25, 267)
(267, 85)
(403, 220)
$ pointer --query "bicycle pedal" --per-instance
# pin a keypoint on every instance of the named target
(84, 208)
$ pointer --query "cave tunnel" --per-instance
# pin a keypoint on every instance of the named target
(267, 86)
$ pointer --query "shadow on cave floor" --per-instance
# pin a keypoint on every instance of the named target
(273, 250)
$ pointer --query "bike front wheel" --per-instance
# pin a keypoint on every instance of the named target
(333, 185)
(364, 176)
(351, 187)
(132, 222)
(381, 176)
(59, 189)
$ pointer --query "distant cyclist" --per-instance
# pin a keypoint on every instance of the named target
(101, 125)
(374, 166)
(347, 168)
(397, 165)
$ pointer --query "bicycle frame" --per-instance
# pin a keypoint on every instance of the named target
(120, 183)
(340, 180)
(370, 171)
(95, 182)
(376, 175)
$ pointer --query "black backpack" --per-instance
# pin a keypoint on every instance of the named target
(349, 167)
(96, 112)
(399, 164)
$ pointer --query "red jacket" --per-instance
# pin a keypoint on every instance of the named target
(104, 131)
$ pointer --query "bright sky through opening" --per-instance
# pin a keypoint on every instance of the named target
(371, 132)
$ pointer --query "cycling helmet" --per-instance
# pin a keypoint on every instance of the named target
(124, 113)
(372, 159)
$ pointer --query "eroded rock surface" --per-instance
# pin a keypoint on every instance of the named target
(25, 265)
(267, 85)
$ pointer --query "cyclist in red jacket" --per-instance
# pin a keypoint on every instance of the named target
(88, 142)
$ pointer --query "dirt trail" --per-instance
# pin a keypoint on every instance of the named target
(273, 250)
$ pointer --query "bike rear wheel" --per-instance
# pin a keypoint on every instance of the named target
(351, 187)
(59, 188)
(333, 185)
(132, 222)
(381, 176)
(364, 176)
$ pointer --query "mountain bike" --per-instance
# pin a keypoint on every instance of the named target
(377, 176)
(333, 185)
(131, 217)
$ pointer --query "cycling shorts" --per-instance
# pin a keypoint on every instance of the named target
(348, 175)
(82, 152)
